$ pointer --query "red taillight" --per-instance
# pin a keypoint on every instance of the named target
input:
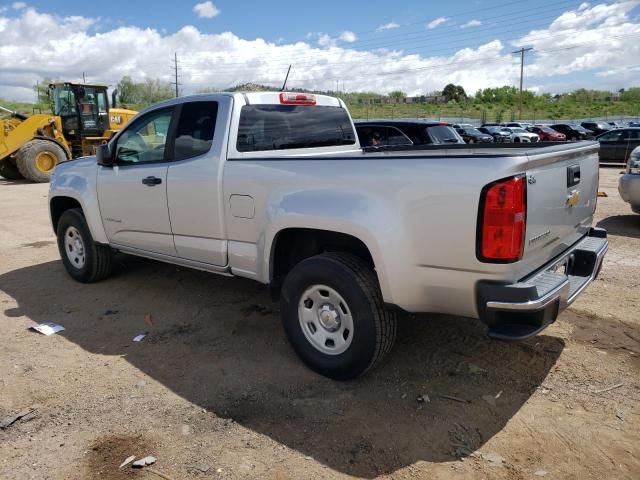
(503, 215)
(297, 99)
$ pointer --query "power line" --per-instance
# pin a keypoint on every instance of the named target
(420, 43)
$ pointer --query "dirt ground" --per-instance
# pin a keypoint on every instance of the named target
(215, 384)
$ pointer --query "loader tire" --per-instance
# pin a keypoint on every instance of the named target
(37, 159)
(9, 171)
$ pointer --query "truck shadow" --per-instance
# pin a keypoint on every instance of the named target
(217, 343)
(622, 225)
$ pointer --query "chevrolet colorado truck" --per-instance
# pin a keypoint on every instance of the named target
(275, 187)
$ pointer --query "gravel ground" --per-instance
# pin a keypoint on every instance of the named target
(214, 384)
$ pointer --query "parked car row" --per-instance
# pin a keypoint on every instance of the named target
(615, 144)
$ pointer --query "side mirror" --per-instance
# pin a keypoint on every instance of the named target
(103, 155)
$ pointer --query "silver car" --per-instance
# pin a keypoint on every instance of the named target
(629, 185)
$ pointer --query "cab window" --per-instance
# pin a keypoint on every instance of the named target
(145, 140)
(195, 131)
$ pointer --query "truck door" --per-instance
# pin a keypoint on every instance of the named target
(133, 193)
(194, 181)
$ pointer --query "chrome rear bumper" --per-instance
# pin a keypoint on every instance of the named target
(523, 309)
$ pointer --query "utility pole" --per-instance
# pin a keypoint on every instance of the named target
(175, 69)
(84, 79)
(521, 52)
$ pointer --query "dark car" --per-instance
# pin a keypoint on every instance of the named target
(473, 135)
(616, 145)
(573, 131)
(497, 133)
(405, 132)
(597, 128)
(547, 134)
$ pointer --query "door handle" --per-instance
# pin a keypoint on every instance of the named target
(152, 181)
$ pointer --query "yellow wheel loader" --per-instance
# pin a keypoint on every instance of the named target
(32, 145)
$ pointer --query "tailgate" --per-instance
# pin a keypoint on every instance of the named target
(562, 187)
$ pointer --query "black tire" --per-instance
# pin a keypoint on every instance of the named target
(9, 171)
(471, 140)
(37, 159)
(374, 327)
(516, 140)
(98, 259)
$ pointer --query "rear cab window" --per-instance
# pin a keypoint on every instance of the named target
(269, 127)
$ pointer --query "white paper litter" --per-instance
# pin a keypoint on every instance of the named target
(47, 328)
(139, 338)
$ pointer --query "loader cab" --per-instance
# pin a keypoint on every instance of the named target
(83, 109)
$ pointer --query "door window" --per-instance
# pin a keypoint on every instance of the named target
(145, 140)
(377, 136)
(196, 127)
(631, 135)
(611, 136)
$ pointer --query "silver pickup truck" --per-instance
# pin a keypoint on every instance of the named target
(276, 188)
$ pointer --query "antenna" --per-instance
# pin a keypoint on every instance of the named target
(284, 85)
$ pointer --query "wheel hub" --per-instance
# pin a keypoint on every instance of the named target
(329, 317)
(74, 247)
(46, 161)
(326, 319)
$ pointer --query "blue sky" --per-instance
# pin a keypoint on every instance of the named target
(411, 45)
(291, 21)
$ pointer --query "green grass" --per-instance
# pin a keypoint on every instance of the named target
(497, 112)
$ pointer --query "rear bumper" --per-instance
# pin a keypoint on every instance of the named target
(521, 310)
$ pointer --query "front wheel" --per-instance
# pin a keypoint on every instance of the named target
(516, 140)
(334, 316)
(85, 260)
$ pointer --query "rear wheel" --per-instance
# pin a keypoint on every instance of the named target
(37, 159)
(9, 171)
(85, 260)
(334, 316)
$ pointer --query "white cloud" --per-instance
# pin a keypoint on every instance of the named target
(224, 59)
(387, 26)
(437, 22)
(206, 10)
(327, 41)
(18, 5)
(471, 24)
(585, 39)
(348, 36)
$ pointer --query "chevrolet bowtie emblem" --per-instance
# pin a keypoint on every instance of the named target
(573, 198)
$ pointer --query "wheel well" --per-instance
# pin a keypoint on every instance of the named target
(293, 245)
(58, 206)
